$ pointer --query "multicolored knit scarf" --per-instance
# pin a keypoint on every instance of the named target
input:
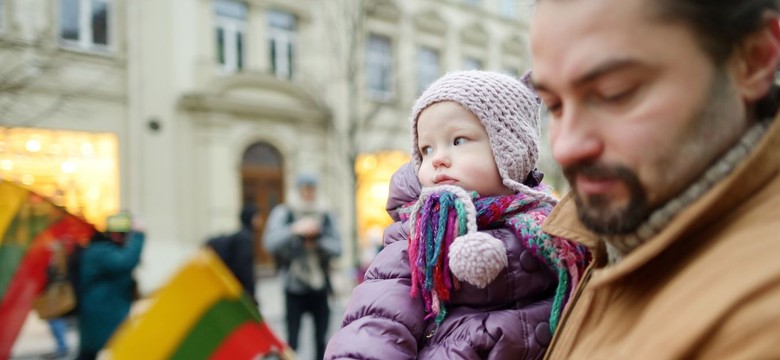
(444, 215)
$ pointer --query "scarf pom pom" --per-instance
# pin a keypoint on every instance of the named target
(477, 258)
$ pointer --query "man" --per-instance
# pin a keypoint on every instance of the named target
(302, 235)
(663, 118)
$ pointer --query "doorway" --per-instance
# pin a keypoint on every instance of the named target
(262, 184)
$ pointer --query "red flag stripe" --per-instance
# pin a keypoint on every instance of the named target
(30, 277)
(249, 341)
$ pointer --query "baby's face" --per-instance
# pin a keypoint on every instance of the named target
(455, 150)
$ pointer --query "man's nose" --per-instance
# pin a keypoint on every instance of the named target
(574, 139)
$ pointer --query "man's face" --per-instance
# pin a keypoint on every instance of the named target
(308, 193)
(638, 110)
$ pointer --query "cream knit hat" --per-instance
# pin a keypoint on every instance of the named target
(506, 107)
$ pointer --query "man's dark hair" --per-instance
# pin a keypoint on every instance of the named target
(720, 26)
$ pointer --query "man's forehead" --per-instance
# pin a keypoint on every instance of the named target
(567, 16)
(571, 38)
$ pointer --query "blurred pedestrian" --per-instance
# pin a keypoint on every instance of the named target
(107, 285)
(59, 329)
(56, 302)
(664, 119)
(302, 236)
(237, 250)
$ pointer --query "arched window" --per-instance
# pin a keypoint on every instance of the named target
(262, 154)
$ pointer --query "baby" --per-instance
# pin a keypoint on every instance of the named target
(466, 272)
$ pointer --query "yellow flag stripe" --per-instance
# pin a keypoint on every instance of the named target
(175, 310)
(12, 197)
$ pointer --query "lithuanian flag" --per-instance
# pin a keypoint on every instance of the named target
(201, 313)
(28, 225)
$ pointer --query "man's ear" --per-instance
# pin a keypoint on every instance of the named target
(757, 59)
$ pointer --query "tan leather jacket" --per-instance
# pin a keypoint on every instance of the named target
(706, 287)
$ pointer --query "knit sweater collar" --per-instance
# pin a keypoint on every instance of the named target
(618, 246)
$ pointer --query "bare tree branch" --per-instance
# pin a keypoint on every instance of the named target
(348, 18)
(34, 62)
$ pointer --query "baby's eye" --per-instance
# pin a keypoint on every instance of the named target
(426, 150)
(460, 140)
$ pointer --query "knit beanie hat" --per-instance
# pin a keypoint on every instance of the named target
(508, 109)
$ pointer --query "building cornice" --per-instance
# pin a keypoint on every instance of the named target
(257, 95)
(430, 21)
(475, 35)
(385, 10)
(301, 11)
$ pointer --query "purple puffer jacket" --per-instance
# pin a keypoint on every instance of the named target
(506, 320)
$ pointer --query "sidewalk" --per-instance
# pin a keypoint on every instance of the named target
(271, 297)
(35, 340)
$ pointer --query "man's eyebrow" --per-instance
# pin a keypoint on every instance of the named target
(592, 74)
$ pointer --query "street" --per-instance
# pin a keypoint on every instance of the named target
(35, 340)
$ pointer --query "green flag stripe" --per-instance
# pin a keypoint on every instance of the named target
(215, 326)
(29, 222)
(10, 258)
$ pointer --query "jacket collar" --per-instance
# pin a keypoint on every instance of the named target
(757, 169)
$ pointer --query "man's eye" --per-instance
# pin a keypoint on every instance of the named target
(625, 95)
(554, 108)
(460, 140)
(615, 97)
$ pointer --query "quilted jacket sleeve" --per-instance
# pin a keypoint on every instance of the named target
(382, 320)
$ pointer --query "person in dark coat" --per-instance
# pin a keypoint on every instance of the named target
(107, 287)
(237, 250)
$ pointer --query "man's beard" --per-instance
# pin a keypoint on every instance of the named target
(595, 212)
(705, 130)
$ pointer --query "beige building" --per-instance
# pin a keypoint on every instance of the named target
(182, 110)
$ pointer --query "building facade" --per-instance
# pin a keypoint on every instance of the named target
(183, 110)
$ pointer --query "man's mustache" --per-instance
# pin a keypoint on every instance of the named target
(600, 171)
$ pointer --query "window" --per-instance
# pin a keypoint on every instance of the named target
(2, 15)
(427, 68)
(230, 26)
(471, 63)
(509, 8)
(84, 24)
(379, 67)
(282, 38)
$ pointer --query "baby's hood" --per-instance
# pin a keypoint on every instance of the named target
(404, 188)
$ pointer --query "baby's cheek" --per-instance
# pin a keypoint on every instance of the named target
(425, 178)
